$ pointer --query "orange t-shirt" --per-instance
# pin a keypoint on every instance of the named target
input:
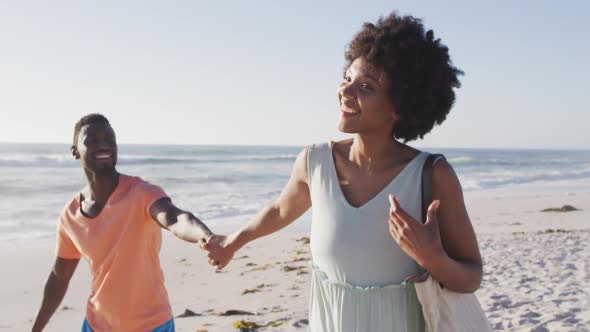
(122, 246)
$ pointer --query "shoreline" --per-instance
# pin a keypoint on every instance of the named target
(479, 204)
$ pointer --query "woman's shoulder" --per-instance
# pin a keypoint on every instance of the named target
(440, 165)
(327, 145)
(342, 147)
(321, 149)
(444, 177)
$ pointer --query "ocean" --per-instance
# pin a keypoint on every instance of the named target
(225, 185)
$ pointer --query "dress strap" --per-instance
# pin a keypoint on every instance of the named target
(427, 182)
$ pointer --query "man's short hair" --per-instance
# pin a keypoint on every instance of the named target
(86, 120)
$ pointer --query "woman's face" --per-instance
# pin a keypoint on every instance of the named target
(365, 106)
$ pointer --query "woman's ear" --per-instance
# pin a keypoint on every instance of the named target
(75, 152)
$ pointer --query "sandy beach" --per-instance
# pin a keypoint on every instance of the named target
(228, 106)
(536, 272)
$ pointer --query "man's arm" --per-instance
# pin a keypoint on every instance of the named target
(55, 289)
(181, 223)
(293, 201)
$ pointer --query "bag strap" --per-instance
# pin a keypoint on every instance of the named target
(427, 182)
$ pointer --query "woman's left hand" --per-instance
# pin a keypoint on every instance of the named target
(420, 241)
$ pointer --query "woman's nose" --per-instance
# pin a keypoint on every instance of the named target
(346, 90)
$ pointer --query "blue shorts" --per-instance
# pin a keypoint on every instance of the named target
(166, 327)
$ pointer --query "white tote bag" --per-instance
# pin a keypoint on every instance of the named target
(448, 311)
(445, 310)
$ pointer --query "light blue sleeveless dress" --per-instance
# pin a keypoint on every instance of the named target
(358, 270)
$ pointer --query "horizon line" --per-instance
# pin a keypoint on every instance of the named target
(303, 145)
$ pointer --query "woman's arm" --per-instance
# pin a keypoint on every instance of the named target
(461, 268)
(293, 201)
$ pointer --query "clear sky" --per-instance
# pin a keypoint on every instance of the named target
(266, 72)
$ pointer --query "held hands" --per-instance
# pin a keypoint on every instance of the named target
(420, 241)
(220, 253)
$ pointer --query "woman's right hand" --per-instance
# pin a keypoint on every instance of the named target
(220, 251)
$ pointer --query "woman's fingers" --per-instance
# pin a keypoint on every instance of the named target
(401, 231)
(393, 230)
(403, 228)
(432, 211)
(218, 258)
(396, 230)
(221, 266)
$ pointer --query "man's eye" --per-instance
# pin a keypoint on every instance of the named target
(366, 86)
(346, 78)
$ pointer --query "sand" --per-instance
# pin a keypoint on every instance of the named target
(536, 272)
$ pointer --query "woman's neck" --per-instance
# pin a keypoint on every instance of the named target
(375, 151)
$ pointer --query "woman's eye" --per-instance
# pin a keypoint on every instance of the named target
(366, 86)
(346, 78)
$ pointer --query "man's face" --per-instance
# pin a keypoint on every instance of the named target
(96, 148)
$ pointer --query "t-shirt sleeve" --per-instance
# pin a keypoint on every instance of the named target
(149, 195)
(65, 247)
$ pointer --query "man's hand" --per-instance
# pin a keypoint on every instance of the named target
(220, 250)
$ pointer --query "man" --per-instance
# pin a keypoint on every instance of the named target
(115, 223)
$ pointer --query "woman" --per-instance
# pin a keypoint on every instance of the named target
(366, 233)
